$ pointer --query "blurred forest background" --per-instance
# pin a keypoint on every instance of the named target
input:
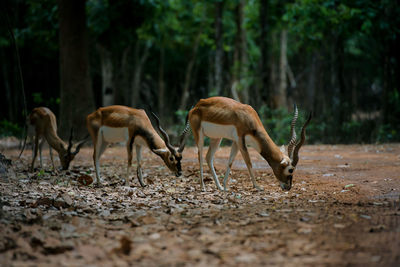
(340, 59)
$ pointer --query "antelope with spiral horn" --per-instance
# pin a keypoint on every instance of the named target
(221, 117)
(42, 124)
(124, 124)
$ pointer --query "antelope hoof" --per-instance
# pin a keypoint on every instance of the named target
(220, 188)
(258, 188)
(142, 183)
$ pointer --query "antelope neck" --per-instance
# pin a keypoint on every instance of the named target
(55, 141)
(269, 150)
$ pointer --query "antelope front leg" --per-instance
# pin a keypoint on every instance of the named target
(234, 151)
(98, 151)
(40, 152)
(139, 168)
(52, 160)
(34, 152)
(200, 145)
(129, 150)
(247, 160)
(214, 144)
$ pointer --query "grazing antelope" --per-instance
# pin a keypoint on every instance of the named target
(42, 124)
(120, 123)
(221, 117)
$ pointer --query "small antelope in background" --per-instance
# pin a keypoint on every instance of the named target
(124, 124)
(221, 117)
(42, 124)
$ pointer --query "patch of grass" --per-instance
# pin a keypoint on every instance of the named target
(8, 128)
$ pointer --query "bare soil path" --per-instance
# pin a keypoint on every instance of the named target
(343, 209)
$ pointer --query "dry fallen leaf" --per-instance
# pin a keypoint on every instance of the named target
(125, 246)
(85, 179)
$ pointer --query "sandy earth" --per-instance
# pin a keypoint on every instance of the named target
(344, 209)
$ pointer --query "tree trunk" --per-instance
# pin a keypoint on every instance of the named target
(219, 53)
(240, 59)
(8, 90)
(141, 58)
(243, 53)
(344, 105)
(264, 49)
(236, 58)
(210, 80)
(280, 94)
(188, 75)
(312, 79)
(161, 83)
(76, 96)
(107, 87)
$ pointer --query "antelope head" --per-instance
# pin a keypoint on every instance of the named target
(66, 155)
(289, 162)
(172, 156)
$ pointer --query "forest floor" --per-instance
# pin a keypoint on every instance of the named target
(343, 209)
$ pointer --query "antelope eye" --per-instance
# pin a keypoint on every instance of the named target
(291, 170)
(171, 158)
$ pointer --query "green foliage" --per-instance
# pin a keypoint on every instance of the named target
(391, 132)
(357, 131)
(39, 100)
(387, 134)
(277, 123)
(365, 31)
(317, 132)
(8, 128)
(40, 173)
(41, 24)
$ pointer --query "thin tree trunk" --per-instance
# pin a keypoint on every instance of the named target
(219, 53)
(243, 53)
(290, 75)
(264, 49)
(234, 92)
(343, 111)
(108, 91)
(273, 74)
(281, 100)
(122, 78)
(76, 96)
(161, 83)
(312, 79)
(236, 58)
(239, 88)
(8, 90)
(137, 75)
(210, 80)
(188, 75)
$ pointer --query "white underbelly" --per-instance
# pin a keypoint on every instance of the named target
(114, 135)
(214, 130)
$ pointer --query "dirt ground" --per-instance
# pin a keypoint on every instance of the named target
(343, 209)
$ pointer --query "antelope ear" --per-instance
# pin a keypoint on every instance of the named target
(284, 162)
(283, 149)
(160, 151)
